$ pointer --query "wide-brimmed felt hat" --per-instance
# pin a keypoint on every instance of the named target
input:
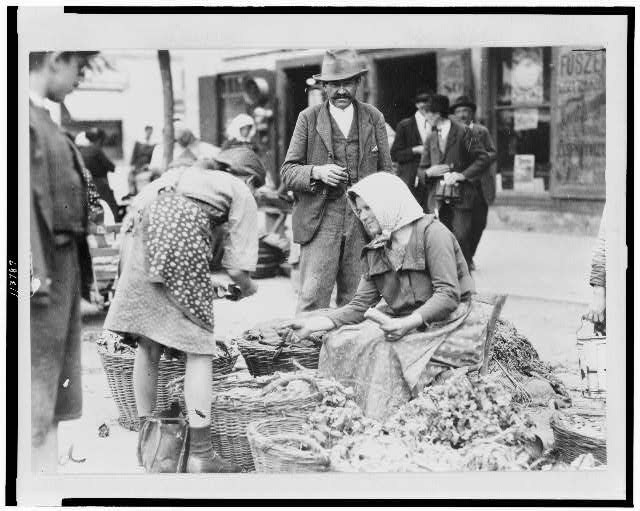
(463, 101)
(340, 65)
(423, 96)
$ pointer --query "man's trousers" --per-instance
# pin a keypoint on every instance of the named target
(331, 257)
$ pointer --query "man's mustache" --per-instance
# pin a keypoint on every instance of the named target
(342, 96)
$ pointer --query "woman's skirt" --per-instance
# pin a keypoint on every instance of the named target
(144, 305)
(385, 375)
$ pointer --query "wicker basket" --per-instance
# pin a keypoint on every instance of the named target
(270, 454)
(571, 442)
(119, 370)
(231, 414)
(263, 359)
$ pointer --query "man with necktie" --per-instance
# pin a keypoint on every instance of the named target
(451, 164)
(408, 144)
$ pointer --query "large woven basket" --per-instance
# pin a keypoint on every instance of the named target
(571, 442)
(263, 359)
(119, 370)
(230, 416)
(270, 441)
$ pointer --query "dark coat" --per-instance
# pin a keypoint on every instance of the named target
(311, 145)
(42, 236)
(488, 177)
(467, 156)
(407, 137)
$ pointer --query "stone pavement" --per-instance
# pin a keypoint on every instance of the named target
(545, 276)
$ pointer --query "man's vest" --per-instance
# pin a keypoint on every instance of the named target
(346, 151)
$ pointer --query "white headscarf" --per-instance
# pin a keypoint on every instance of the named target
(239, 121)
(394, 207)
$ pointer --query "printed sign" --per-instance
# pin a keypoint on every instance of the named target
(526, 76)
(580, 119)
(453, 70)
(523, 168)
(525, 119)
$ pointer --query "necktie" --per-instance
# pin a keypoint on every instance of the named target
(441, 141)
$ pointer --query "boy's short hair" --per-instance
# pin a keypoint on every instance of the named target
(37, 58)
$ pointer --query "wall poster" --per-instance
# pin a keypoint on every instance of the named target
(454, 74)
(579, 116)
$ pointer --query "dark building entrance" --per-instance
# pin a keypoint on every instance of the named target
(398, 80)
(297, 95)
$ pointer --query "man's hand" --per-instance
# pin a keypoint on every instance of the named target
(438, 170)
(330, 174)
(597, 308)
(451, 178)
(417, 149)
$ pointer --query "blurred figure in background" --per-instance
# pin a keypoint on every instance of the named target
(597, 313)
(61, 263)
(464, 110)
(143, 149)
(241, 132)
(186, 150)
(408, 144)
(99, 165)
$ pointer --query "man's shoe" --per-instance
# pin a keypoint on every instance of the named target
(215, 464)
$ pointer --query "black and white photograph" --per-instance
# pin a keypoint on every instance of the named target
(322, 254)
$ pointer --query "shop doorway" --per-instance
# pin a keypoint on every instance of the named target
(398, 81)
(297, 95)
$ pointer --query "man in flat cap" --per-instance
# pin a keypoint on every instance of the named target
(408, 144)
(464, 110)
(451, 164)
(60, 259)
(334, 144)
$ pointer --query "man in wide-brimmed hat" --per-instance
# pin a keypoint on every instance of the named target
(464, 109)
(408, 145)
(334, 144)
(451, 164)
(61, 263)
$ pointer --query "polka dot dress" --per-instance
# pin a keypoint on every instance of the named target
(178, 244)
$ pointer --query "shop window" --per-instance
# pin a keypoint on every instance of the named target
(521, 106)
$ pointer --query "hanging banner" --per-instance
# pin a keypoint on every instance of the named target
(579, 115)
(527, 76)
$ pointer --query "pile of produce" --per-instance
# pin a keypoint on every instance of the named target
(337, 416)
(455, 425)
(281, 337)
(592, 426)
(513, 356)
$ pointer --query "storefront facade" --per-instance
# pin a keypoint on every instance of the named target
(544, 106)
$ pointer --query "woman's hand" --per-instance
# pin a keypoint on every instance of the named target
(243, 280)
(303, 327)
(396, 328)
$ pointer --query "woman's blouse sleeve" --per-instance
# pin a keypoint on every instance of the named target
(442, 267)
(367, 295)
(241, 243)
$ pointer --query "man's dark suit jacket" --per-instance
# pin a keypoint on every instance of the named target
(488, 177)
(311, 144)
(407, 137)
(467, 156)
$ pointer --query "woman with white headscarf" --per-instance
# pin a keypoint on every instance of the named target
(427, 322)
(240, 132)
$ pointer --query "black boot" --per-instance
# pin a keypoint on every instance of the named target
(202, 457)
(142, 421)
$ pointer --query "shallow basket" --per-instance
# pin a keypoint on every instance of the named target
(271, 455)
(571, 442)
(119, 370)
(263, 359)
(230, 416)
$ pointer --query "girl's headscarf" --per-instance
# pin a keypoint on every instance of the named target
(239, 121)
(394, 207)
